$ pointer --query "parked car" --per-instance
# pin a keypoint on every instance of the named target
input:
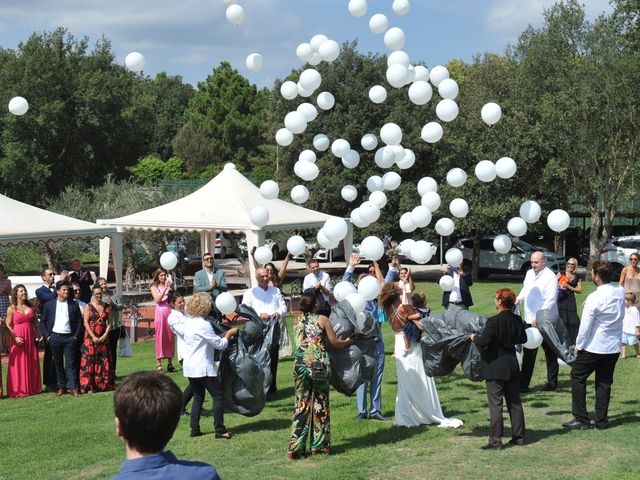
(617, 251)
(223, 246)
(518, 260)
(278, 249)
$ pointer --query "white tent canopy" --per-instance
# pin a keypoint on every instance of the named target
(21, 223)
(224, 204)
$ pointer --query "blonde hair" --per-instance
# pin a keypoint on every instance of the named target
(630, 297)
(199, 305)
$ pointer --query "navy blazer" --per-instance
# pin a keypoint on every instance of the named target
(501, 334)
(466, 280)
(44, 294)
(48, 318)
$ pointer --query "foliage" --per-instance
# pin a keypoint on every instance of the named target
(20, 259)
(152, 168)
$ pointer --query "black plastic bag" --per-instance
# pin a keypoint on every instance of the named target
(555, 334)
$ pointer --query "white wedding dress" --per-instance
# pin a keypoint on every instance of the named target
(417, 402)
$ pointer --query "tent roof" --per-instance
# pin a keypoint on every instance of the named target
(23, 223)
(223, 204)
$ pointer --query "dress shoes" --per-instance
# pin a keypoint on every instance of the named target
(524, 389)
(74, 393)
(379, 417)
(490, 446)
(517, 442)
(196, 433)
(603, 426)
(361, 416)
(549, 387)
(576, 425)
(60, 392)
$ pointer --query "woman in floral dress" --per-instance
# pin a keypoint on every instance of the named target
(95, 355)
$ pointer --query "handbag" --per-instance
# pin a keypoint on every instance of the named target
(318, 371)
(125, 347)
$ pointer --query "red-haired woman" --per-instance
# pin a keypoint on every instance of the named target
(501, 334)
(165, 346)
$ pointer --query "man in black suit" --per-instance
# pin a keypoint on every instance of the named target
(460, 296)
(46, 293)
(61, 325)
(82, 277)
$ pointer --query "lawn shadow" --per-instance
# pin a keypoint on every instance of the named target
(629, 402)
(281, 394)
(269, 425)
(390, 434)
(530, 435)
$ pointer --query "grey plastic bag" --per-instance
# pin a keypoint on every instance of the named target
(555, 334)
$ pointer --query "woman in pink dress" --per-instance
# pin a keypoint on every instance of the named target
(161, 290)
(23, 374)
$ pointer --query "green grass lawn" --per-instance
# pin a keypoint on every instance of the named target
(72, 438)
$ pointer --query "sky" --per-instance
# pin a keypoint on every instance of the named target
(191, 37)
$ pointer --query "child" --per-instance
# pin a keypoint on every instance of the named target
(412, 329)
(630, 325)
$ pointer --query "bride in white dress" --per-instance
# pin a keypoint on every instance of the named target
(417, 402)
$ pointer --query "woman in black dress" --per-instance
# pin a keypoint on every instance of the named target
(569, 284)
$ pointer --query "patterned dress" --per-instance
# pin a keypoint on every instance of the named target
(311, 393)
(95, 358)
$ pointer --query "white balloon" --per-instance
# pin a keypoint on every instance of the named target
(296, 245)
(398, 152)
(284, 137)
(391, 134)
(517, 227)
(235, 14)
(530, 211)
(168, 260)
(432, 132)
(421, 216)
(315, 60)
(391, 181)
(263, 255)
(356, 219)
(405, 247)
(329, 50)
(421, 73)
(445, 227)
(308, 156)
(534, 338)
(372, 248)
(295, 122)
(326, 100)
(379, 198)
(369, 287)
(349, 193)
(304, 52)
(502, 244)
(397, 75)
(134, 62)
(226, 303)
(459, 207)
(310, 79)
(394, 38)
(307, 171)
(407, 161)
(446, 283)
(378, 23)
(369, 141)
(317, 40)
(420, 92)
(486, 171)
(358, 8)
(269, 189)
(357, 301)
(447, 110)
(321, 142)
(456, 177)
(335, 228)
(342, 289)
(453, 257)
(18, 106)
(374, 183)
(399, 56)
(289, 90)
(254, 62)
(401, 7)
(491, 113)
(351, 159)
(406, 223)
(506, 167)
(427, 184)
(384, 157)
(448, 88)
(558, 220)
(308, 111)
(340, 147)
(421, 252)
(326, 242)
(438, 74)
(431, 200)
(369, 212)
(299, 194)
(259, 216)
(377, 94)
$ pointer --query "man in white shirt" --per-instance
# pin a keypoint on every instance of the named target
(321, 283)
(539, 292)
(597, 347)
(269, 304)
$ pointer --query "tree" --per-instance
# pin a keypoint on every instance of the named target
(152, 168)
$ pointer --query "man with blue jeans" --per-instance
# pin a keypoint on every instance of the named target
(371, 309)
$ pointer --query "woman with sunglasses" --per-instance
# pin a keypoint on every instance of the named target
(569, 284)
(630, 277)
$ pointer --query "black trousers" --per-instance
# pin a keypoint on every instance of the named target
(586, 363)
(63, 349)
(273, 353)
(114, 337)
(49, 377)
(510, 390)
(213, 385)
(529, 361)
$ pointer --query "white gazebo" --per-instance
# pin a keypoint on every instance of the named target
(21, 223)
(223, 205)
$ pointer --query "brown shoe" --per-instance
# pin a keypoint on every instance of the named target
(74, 393)
(60, 392)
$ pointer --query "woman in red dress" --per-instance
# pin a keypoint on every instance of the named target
(95, 355)
(23, 374)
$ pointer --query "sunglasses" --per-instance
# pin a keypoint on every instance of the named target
(208, 259)
(76, 291)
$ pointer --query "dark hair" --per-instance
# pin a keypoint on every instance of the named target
(148, 407)
(603, 269)
(95, 287)
(419, 300)
(100, 278)
(313, 260)
(174, 296)
(14, 295)
(156, 275)
(205, 254)
(507, 297)
(389, 294)
(308, 302)
(61, 283)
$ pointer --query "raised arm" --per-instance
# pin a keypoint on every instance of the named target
(283, 268)
(411, 284)
(354, 260)
(331, 335)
